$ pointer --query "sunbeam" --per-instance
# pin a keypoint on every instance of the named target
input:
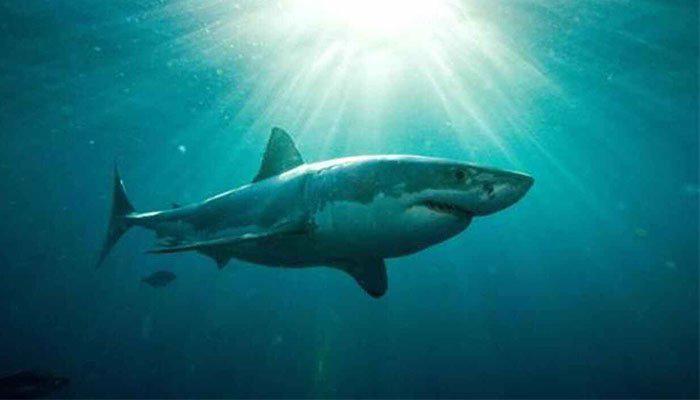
(330, 66)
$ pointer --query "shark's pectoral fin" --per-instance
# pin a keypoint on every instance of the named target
(370, 274)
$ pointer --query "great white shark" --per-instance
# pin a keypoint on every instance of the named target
(347, 213)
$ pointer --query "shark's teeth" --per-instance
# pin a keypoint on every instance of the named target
(446, 208)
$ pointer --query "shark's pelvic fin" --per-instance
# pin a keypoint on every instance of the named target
(209, 244)
(219, 255)
(280, 155)
(370, 274)
(222, 249)
(216, 249)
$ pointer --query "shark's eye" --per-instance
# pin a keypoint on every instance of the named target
(460, 175)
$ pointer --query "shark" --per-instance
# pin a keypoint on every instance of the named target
(350, 214)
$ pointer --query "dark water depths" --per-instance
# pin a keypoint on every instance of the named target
(586, 288)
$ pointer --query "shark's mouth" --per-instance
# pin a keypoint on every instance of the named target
(447, 208)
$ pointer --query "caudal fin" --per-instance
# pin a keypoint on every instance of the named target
(118, 223)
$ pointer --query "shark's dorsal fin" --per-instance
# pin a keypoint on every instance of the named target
(369, 273)
(280, 155)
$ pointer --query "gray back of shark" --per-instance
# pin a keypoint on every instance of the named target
(348, 213)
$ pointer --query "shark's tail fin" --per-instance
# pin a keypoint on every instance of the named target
(118, 223)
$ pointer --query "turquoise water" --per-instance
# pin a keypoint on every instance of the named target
(588, 287)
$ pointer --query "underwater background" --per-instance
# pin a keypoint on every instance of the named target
(588, 287)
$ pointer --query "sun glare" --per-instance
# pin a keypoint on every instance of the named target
(373, 19)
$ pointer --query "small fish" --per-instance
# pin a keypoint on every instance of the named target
(641, 232)
(691, 189)
(29, 384)
(159, 279)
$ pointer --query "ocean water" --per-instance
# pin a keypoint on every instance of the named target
(588, 287)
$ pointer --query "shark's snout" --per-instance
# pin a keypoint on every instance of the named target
(475, 191)
(523, 183)
(497, 190)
